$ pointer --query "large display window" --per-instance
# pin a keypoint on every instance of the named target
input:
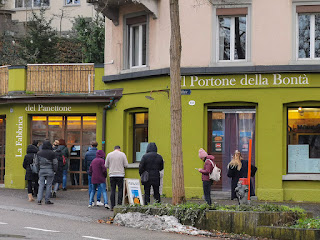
(303, 140)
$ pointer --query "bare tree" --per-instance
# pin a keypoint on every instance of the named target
(178, 192)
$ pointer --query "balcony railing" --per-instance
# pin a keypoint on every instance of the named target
(60, 78)
(4, 77)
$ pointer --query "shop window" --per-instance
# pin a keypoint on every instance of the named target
(140, 135)
(303, 140)
(136, 42)
(232, 34)
(308, 32)
(2, 147)
(31, 3)
(72, 2)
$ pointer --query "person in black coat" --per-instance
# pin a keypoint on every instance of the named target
(152, 162)
(58, 177)
(31, 177)
(238, 168)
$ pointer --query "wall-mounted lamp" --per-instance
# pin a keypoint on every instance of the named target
(151, 98)
(300, 111)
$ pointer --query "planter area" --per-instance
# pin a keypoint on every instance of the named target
(255, 223)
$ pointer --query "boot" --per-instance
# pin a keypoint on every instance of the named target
(30, 197)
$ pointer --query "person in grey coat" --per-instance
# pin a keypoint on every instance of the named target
(47, 164)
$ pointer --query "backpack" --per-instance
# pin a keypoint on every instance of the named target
(215, 175)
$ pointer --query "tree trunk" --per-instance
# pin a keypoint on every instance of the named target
(178, 193)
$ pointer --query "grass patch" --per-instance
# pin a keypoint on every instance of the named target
(308, 223)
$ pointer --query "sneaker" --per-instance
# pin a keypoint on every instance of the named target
(39, 202)
(49, 202)
(54, 195)
(107, 206)
(99, 203)
(89, 206)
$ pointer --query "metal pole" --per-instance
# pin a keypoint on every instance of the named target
(249, 167)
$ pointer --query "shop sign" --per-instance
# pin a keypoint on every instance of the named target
(44, 108)
(247, 80)
(18, 138)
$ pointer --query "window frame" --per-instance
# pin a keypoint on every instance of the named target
(32, 5)
(127, 47)
(216, 35)
(134, 127)
(72, 3)
(295, 32)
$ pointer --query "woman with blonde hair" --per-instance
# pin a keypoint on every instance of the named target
(238, 168)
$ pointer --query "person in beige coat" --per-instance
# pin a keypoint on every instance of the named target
(116, 161)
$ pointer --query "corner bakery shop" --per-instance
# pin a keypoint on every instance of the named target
(279, 111)
(77, 118)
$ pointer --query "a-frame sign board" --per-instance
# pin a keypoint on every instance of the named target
(132, 192)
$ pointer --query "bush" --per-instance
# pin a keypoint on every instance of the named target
(309, 223)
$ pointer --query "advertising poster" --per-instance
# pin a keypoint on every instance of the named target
(132, 192)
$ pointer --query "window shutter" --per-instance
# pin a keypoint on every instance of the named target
(308, 9)
(232, 11)
(136, 20)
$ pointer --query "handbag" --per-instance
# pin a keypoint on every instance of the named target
(144, 177)
(215, 175)
(33, 165)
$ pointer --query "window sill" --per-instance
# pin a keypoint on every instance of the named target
(30, 8)
(304, 62)
(133, 165)
(131, 70)
(231, 64)
(301, 177)
(72, 5)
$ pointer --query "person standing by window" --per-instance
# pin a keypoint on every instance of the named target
(116, 161)
(31, 177)
(207, 169)
(65, 156)
(152, 162)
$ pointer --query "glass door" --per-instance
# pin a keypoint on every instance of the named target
(2, 147)
(230, 130)
(77, 131)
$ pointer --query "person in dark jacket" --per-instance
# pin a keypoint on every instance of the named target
(31, 177)
(58, 177)
(65, 155)
(98, 174)
(90, 155)
(207, 169)
(47, 164)
(152, 162)
(238, 168)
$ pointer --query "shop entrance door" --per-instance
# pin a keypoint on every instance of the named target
(77, 131)
(2, 147)
(230, 130)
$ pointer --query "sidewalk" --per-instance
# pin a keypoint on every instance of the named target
(74, 204)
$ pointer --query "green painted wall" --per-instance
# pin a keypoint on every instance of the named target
(270, 103)
(17, 79)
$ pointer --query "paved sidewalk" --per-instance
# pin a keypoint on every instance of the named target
(73, 204)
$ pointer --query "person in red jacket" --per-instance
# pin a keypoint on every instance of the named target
(207, 169)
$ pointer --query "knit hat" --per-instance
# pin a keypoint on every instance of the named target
(202, 153)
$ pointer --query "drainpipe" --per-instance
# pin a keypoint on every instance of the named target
(104, 123)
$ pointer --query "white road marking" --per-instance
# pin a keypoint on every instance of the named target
(95, 238)
(39, 229)
(3, 223)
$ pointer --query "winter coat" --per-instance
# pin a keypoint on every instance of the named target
(65, 153)
(58, 177)
(47, 162)
(97, 169)
(243, 173)
(28, 159)
(90, 155)
(152, 162)
(207, 168)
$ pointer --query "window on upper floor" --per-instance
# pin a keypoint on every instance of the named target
(31, 3)
(136, 42)
(308, 32)
(232, 34)
(71, 2)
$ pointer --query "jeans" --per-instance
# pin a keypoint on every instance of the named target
(90, 185)
(114, 181)
(207, 190)
(42, 179)
(156, 195)
(102, 186)
(64, 178)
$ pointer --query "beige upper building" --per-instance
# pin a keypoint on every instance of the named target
(62, 12)
(218, 33)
